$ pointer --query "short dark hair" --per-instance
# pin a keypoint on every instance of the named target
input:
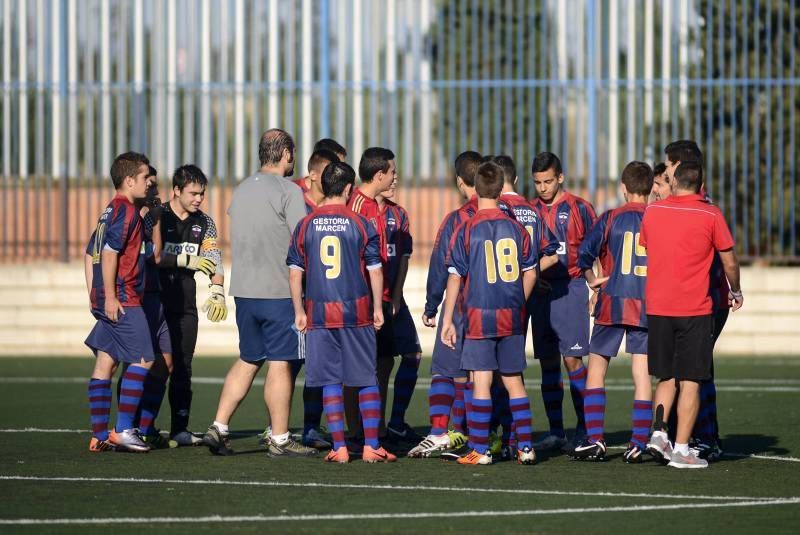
(151, 171)
(689, 176)
(126, 164)
(272, 144)
(684, 150)
(331, 145)
(467, 165)
(336, 177)
(638, 178)
(506, 163)
(659, 169)
(544, 161)
(489, 180)
(374, 160)
(321, 157)
(188, 174)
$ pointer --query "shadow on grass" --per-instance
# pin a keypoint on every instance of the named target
(744, 445)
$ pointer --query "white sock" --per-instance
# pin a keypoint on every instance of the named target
(223, 428)
(682, 448)
(281, 439)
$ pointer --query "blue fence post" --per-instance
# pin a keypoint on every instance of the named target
(591, 97)
(324, 68)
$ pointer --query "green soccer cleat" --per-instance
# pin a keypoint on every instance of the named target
(495, 445)
(156, 441)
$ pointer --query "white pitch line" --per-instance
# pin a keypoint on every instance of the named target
(730, 385)
(389, 516)
(354, 486)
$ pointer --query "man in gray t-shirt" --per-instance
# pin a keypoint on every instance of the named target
(264, 211)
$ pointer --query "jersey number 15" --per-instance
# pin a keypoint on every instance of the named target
(628, 250)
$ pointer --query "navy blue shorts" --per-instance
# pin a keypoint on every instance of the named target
(607, 339)
(560, 320)
(157, 322)
(505, 354)
(128, 340)
(406, 341)
(341, 356)
(446, 361)
(266, 329)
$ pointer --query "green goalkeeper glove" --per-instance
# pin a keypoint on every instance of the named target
(215, 307)
(197, 263)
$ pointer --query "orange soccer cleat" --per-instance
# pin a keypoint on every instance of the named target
(380, 455)
(338, 456)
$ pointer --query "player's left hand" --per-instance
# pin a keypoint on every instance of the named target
(215, 307)
(597, 283)
(377, 318)
(735, 300)
(300, 321)
(449, 334)
(429, 321)
(396, 304)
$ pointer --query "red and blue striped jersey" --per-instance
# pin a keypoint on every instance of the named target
(119, 229)
(490, 252)
(614, 239)
(541, 238)
(437, 267)
(335, 247)
(301, 183)
(568, 219)
(368, 208)
(398, 240)
(719, 287)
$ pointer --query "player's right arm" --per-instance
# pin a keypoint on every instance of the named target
(374, 263)
(108, 264)
(731, 266)
(437, 271)
(457, 267)
(296, 261)
(589, 251)
(88, 264)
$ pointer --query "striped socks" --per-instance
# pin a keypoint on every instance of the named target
(522, 415)
(130, 395)
(577, 384)
(333, 403)
(99, 392)
(594, 406)
(440, 400)
(404, 382)
(553, 398)
(458, 414)
(153, 394)
(369, 403)
(479, 413)
(641, 418)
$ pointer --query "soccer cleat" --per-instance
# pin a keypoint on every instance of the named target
(577, 439)
(156, 441)
(473, 457)
(290, 448)
(96, 445)
(218, 443)
(457, 439)
(379, 455)
(184, 438)
(403, 434)
(589, 451)
(633, 455)
(456, 453)
(313, 439)
(128, 440)
(495, 444)
(690, 460)
(430, 445)
(710, 451)
(340, 456)
(659, 447)
(716, 452)
(264, 437)
(549, 442)
(508, 453)
(526, 455)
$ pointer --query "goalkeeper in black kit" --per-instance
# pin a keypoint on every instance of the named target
(189, 239)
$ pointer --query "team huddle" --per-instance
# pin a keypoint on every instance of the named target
(499, 264)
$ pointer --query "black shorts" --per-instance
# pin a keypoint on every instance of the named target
(680, 347)
(385, 336)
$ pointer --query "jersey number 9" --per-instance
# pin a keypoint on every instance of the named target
(501, 257)
(330, 253)
(628, 250)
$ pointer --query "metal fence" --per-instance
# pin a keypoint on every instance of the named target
(598, 82)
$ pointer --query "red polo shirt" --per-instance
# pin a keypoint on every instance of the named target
(681, 234)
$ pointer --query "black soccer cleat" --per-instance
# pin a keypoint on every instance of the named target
(633, 455)
(589, 451)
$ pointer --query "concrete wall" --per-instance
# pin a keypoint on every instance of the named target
(44, 310)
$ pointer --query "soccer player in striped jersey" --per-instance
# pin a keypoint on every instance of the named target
(619, 311)
(121, 333)
(449, 391)
(491, 269)
(340, 309)
(406, 342)
(560, 319)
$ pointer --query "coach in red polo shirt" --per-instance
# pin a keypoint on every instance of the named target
(681, 234)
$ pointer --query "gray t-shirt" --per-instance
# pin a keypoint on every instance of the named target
(264, 212)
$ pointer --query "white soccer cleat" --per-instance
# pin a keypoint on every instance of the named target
(659, 447)
(128, 440)
(526, 455)
(430, 445)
